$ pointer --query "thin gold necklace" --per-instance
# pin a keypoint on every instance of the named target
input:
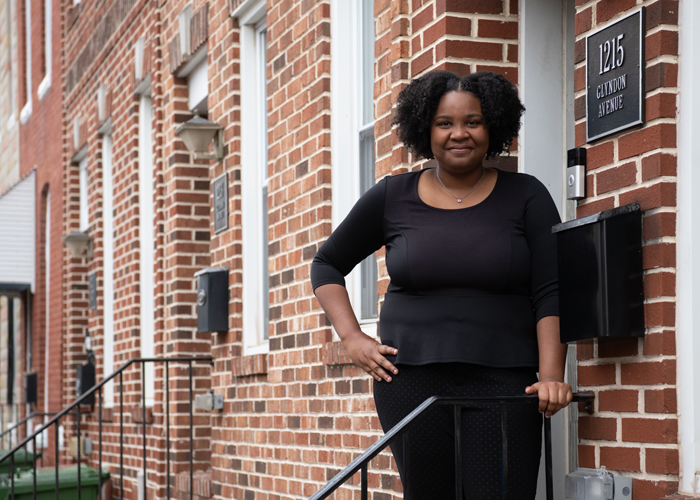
(459, 198)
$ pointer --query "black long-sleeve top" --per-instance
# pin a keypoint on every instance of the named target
(467, 285)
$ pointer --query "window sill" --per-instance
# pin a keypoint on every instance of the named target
(44, 86)
(246, 366)
(25, 113)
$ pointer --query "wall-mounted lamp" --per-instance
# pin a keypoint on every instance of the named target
(79, 244)
(197, 134)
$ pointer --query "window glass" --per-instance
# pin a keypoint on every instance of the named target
(261, 49)
(368, 268)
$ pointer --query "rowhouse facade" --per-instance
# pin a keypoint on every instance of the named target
(303, 91)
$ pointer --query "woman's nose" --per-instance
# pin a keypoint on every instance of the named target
(460, 132)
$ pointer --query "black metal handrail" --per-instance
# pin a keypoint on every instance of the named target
(97, 388)
(25, 421)
(360, 463)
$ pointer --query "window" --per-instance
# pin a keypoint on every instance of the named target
(46, 82)
(146, 239)
(353, 161)
(365, 140)
(108, 267)
(254, 179)
(27, 67)
(83, 191)
(10, 62)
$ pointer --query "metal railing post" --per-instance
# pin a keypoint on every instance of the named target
(143, 424)
(401, 430)
(191, 437)
(167, 424)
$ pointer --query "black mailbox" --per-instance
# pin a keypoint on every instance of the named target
(85, 381)
(212, 299)
(601, 290)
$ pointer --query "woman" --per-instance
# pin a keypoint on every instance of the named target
(472, 307)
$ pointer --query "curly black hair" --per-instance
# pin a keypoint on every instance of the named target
(418, 103)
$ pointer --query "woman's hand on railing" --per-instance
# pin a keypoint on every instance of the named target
(369, 354)
(553, 394)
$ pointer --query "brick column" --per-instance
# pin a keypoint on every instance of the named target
(635, 427)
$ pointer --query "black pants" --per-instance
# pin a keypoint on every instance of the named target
(430, 441)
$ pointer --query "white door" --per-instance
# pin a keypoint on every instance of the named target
(547, 91)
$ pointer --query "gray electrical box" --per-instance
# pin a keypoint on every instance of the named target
(212, 299)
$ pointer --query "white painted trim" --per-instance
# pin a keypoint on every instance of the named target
(184, 19)
(346, 109)
(546, 89)
(344, 154)
(101, 103)
(249, 12)
(254, 162)
(198, 84)
(688, 247)
(83, 194)
(108, 268)
(193, 62)
(138, 59)
(542, 152)
(146, 242)
(44, 86)
(25, 113)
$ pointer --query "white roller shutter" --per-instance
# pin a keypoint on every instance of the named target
(17, 239)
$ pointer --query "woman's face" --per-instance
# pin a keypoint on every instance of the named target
(458, 136)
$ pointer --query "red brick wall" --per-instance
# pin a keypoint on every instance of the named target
(635, 427)
(41, 147)
(295, 416)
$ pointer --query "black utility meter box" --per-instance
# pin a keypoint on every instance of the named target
(85, 381)
(212, 299)
(601, 292)
(30, 388)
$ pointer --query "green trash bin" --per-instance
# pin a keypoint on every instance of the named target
(23, 461)
(46, 484)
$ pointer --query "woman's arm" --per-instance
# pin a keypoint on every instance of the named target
(553, 392)
(364, 351)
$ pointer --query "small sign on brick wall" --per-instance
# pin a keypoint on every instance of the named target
(615, 77)
(220, 189)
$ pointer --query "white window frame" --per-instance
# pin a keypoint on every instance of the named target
(83, 194)
(27, 108)
(688, 248)
(108, 268)
(253, 179)
(146, 239)
(12, 120)
(346, 106)
(45, 84)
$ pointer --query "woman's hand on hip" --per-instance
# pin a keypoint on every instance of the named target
(554, 395)
(369, 354)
